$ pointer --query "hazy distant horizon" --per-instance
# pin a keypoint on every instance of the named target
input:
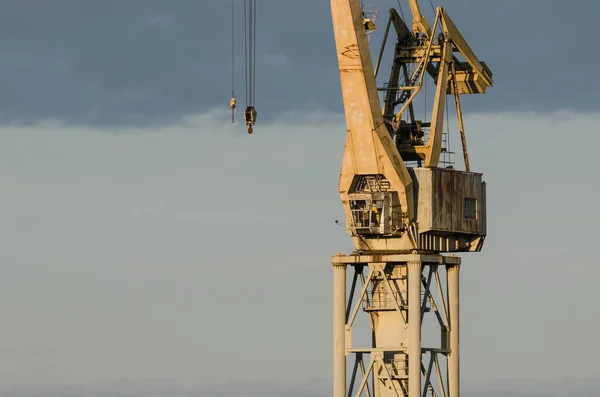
(309, 388)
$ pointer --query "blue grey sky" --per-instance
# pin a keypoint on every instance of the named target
(152, 248)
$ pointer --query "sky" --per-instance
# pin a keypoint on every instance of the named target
(151, 247)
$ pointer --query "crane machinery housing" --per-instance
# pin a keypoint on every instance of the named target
(403, 211)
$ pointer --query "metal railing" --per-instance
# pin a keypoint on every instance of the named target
(381, 299)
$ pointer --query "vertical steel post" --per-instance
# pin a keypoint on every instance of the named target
(339, 330)
(414, 328)
(452, 273)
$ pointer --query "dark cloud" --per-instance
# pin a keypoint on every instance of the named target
(152, 61)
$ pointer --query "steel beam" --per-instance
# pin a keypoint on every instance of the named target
(339, 330)
(452, 273)
(414, 328)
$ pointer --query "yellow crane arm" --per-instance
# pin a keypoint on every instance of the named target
(369, 149)
(420, 24)
(469, 77)
(461, 45)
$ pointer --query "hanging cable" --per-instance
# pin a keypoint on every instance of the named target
(246, 22)
(246, 47)
(232, 101)
(250, 61)
(447, 152)
(254, 57)
(401, 11)
(432, 7)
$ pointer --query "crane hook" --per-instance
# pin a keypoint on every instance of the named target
(232, 103)
(250, 118)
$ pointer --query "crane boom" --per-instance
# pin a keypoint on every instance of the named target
(369, 149)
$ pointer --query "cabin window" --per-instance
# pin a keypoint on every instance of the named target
(360, 214)
(367, 215)
(470, 208)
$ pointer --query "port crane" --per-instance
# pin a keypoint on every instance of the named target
(407, 216)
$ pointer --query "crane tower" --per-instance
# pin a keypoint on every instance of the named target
(408, 216)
